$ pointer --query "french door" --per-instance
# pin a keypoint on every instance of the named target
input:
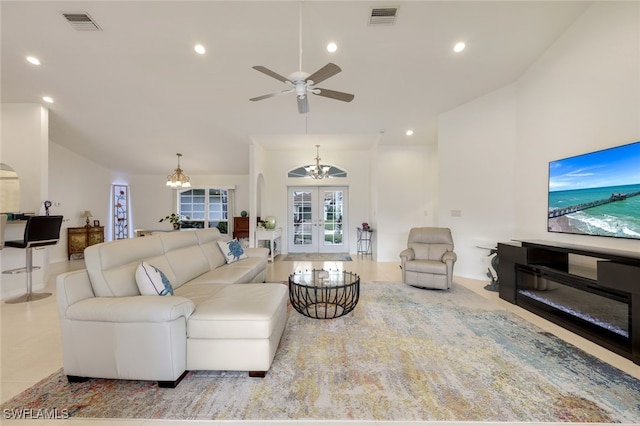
(317, 219)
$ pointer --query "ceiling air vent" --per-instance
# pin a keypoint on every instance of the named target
(81, 21)
(383, 15)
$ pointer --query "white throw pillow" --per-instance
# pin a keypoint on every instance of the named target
(151, 281)
(232, 250)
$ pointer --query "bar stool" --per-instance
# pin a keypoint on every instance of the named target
(39, 231)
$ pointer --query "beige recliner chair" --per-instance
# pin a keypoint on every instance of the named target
(428, 260)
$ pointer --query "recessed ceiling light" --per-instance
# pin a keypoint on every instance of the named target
(459, 47)
(409, 132)
(33, 60)
(332, 47)
(47, 99)
(199, 49)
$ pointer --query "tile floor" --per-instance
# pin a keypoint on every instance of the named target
(31, 347)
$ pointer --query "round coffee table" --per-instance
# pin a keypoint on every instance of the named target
(324, 294)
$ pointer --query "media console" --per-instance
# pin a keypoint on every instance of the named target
(593, 292)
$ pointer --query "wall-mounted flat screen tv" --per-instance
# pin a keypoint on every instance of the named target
(596, 193)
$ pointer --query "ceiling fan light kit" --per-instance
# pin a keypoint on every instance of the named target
(303, 83)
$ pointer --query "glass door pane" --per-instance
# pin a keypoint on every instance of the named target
(317, 220)
(332, 227)
(302, 238)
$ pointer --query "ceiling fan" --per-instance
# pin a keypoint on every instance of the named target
(303, 83)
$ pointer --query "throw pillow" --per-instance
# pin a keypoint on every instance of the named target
(151, 281)
(232, 250)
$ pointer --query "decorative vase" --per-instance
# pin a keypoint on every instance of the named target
(243, 213)
(270, 222)
(176, 226)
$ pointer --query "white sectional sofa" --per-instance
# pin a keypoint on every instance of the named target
(221, 316)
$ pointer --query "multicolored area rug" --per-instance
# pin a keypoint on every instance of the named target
(321, 257)
(402, 354)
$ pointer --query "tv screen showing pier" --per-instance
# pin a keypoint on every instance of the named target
(596, 193)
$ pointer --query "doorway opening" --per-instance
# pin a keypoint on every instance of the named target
(317, 219)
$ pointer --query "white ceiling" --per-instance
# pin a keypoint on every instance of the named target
(132, 95)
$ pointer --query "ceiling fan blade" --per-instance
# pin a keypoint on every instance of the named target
(270, 73)
(303, 105)
(341, 96)
(271, 95)
(324, 73)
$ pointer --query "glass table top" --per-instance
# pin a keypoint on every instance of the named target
(323, 278)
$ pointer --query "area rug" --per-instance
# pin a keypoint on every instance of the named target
(320, 257)
(402, 354)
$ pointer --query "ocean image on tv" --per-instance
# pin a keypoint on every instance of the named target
(596, 193)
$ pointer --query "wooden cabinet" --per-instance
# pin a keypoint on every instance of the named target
(240, 227)
(80, 238)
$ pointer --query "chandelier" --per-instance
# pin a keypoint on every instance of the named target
(178, 179)
(317, 171)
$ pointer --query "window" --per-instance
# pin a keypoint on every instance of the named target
(301, 172)
(120, 212)
(205, 208)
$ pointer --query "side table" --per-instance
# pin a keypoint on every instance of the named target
(364, 241)
(273, 236)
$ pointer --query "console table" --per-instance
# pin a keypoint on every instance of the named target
(273, 236)
(79, 239)
(600, 303)
(364, 241)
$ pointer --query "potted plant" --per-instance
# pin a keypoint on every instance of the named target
(174, 219)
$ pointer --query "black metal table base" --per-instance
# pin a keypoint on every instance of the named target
(317, 300)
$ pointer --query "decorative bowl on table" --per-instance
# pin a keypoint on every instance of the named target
(270, 222)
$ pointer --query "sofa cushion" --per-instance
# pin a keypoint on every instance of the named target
(429, 251)
(199, 293)
(208, 240)
(152, 281)
(239, 312)
(232, 250)
(225, 275)
(112, 267)
(426, 266)
(212, 252)
(184, 255)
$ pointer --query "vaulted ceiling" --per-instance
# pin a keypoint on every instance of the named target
(132, 94)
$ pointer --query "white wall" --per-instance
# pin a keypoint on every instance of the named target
(392, 187)
(275, 164)
(405, 197)
(152, 200)
(78, 184)
(476, 155)
(583, 94)
(75, 185)
(24, 147)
